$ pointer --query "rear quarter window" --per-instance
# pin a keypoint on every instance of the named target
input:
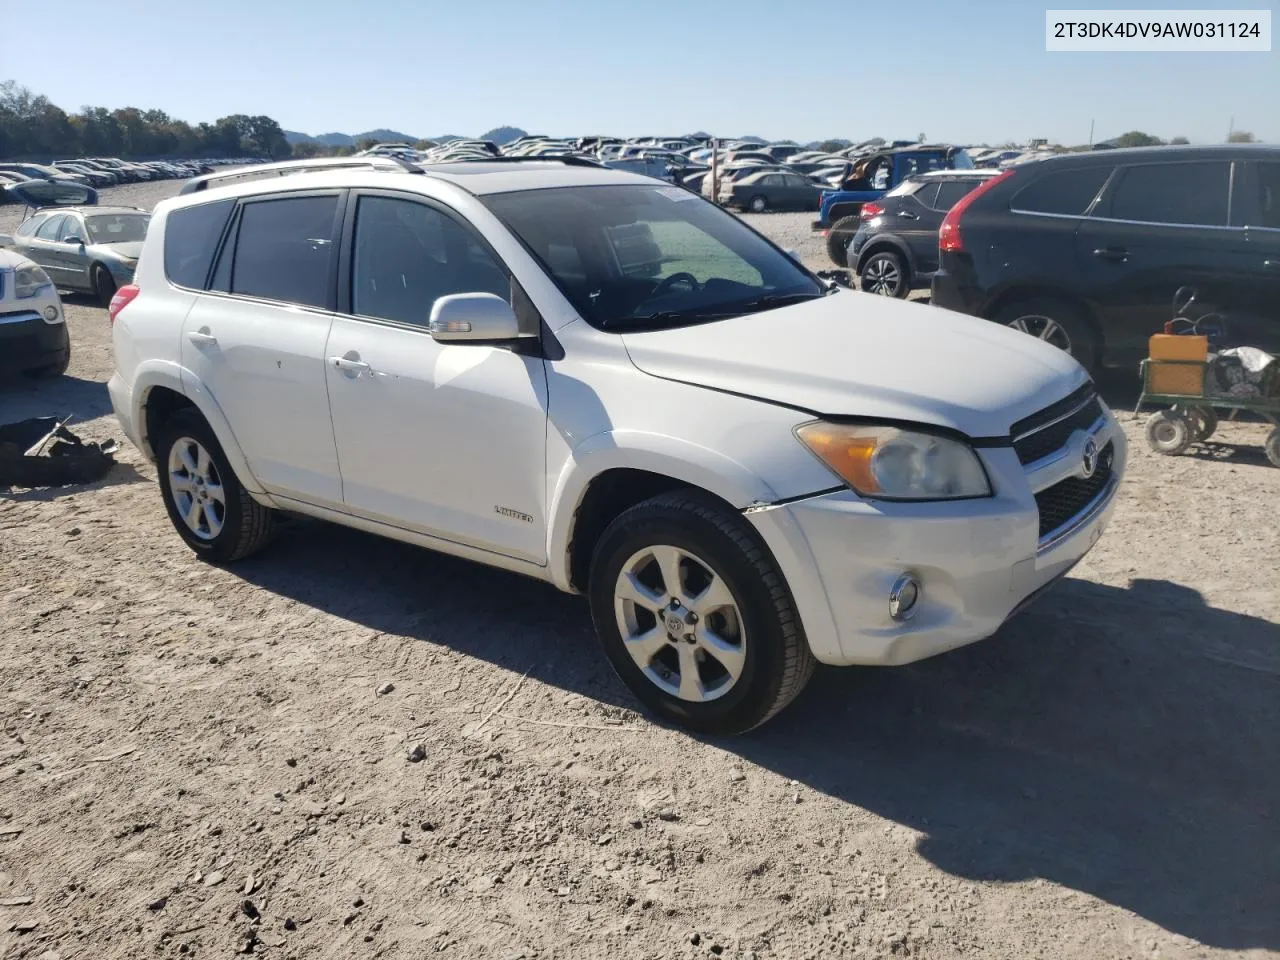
(191, 236)
(1067, 192)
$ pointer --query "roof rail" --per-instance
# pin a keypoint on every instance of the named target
(382, 162)
(567, 161)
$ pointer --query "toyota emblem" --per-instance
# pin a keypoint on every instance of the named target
(1089, 459)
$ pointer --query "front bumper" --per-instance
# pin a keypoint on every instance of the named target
(28, 342)
(978, 561)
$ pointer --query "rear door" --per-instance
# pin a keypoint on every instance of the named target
(1259, 323)
(256, 340)
(1159, 227)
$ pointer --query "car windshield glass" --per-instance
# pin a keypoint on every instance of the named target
(117, 227)
(640, 257)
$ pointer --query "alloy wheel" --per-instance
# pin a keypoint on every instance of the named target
(196, 488)
(680, 623)
(1043, 328)
(882, 277)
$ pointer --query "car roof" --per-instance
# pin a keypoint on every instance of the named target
(1212, 151)
(91, 210)
(968, 172)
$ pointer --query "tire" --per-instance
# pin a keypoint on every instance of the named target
(1058, 322)
(104, 285)
(1272, 446)
(758, 625)
(1168, 432)
(1204, 421)
(232, 527)
(758, 204)
(885, 273)
(838, 239)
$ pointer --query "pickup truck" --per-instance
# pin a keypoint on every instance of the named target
(873, 176)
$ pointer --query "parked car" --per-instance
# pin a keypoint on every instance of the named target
(895, 249)
(770, 190)
(870, 178)
(98, 178)
(90, 249)
(1086, 250)
(38, 171)
(33, 329)
(596, 380)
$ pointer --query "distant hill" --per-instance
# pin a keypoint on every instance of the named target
(501, 135)
(350, 139)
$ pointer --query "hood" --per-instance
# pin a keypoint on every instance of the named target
(126, 251)
(859, 355)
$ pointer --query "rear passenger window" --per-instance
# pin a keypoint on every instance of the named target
(928, 193)
(191, 237)
(1066, 192)
(284, 249)
(1181, 193)
(950, 192)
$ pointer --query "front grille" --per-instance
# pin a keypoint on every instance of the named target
(1049, 430)
(1061, 502)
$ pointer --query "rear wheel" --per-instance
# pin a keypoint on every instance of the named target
(838, 239)
(104, 285)
(695, 616)
(1168, 432)
(1055, 322)
(885, 274)
(209, 508)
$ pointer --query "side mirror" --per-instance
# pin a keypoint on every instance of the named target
(472, 318)
(74, 240)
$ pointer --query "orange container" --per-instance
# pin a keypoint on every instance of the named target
(1183, 378)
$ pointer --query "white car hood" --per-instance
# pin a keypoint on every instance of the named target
(856, 354)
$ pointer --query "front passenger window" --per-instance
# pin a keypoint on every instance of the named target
(406, 255)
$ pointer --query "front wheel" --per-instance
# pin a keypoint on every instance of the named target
(209, 508)
(104, 285)
(1272, 446)
(695, 616)
(758, 204)
(885, 274)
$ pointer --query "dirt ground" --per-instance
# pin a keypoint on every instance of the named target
(196, 762)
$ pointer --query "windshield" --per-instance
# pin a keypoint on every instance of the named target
(117, 227)
(641, 257)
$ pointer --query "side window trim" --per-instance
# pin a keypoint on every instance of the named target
(230, 240)
(346, 253)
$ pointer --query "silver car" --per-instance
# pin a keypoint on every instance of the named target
(90, 249)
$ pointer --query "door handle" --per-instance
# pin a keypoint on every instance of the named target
(1271, 264)
(908, 215)
(202, 339)
(354, 366)
(1114, 254)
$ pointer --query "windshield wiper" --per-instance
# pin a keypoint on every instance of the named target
(772, 300)
(669, 316)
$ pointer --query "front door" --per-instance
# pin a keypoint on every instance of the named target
(257, 343)
(443, 439)
(69, 253)
(1159, 227)
(43, 248)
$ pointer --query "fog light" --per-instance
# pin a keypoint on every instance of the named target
(903, 596)
(51, 313)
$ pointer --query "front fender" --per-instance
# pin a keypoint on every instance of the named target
(175, 377)
(680, 460)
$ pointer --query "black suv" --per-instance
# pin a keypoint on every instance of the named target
(896, 247)
(1087, 250)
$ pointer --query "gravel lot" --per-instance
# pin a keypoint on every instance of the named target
(197, 761)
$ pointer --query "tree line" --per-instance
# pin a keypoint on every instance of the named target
(32, 126)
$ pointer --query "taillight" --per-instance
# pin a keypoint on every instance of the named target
(949, 239)
(870, 211)
(121, 299)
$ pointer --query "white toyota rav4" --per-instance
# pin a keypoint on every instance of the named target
(615, 386)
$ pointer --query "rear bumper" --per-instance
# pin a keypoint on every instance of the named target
(949, 292)
(122, 403)
(27, 342)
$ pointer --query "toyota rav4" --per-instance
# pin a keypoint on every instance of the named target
(614, 386)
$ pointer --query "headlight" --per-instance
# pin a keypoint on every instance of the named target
(889, 463)
(29, 280)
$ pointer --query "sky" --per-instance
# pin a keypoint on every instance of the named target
(803, 69)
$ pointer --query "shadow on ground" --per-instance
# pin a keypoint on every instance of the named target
(23, 397)
(1121, 742)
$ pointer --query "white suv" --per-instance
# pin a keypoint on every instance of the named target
(610, 384)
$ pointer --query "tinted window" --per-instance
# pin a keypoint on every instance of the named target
(191, 237)
(284, 248)
(49, 229)
(1065, 192)
(927, 193)
(1269, 195)
(950, 192)
(407, 255)
(1188, 193)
